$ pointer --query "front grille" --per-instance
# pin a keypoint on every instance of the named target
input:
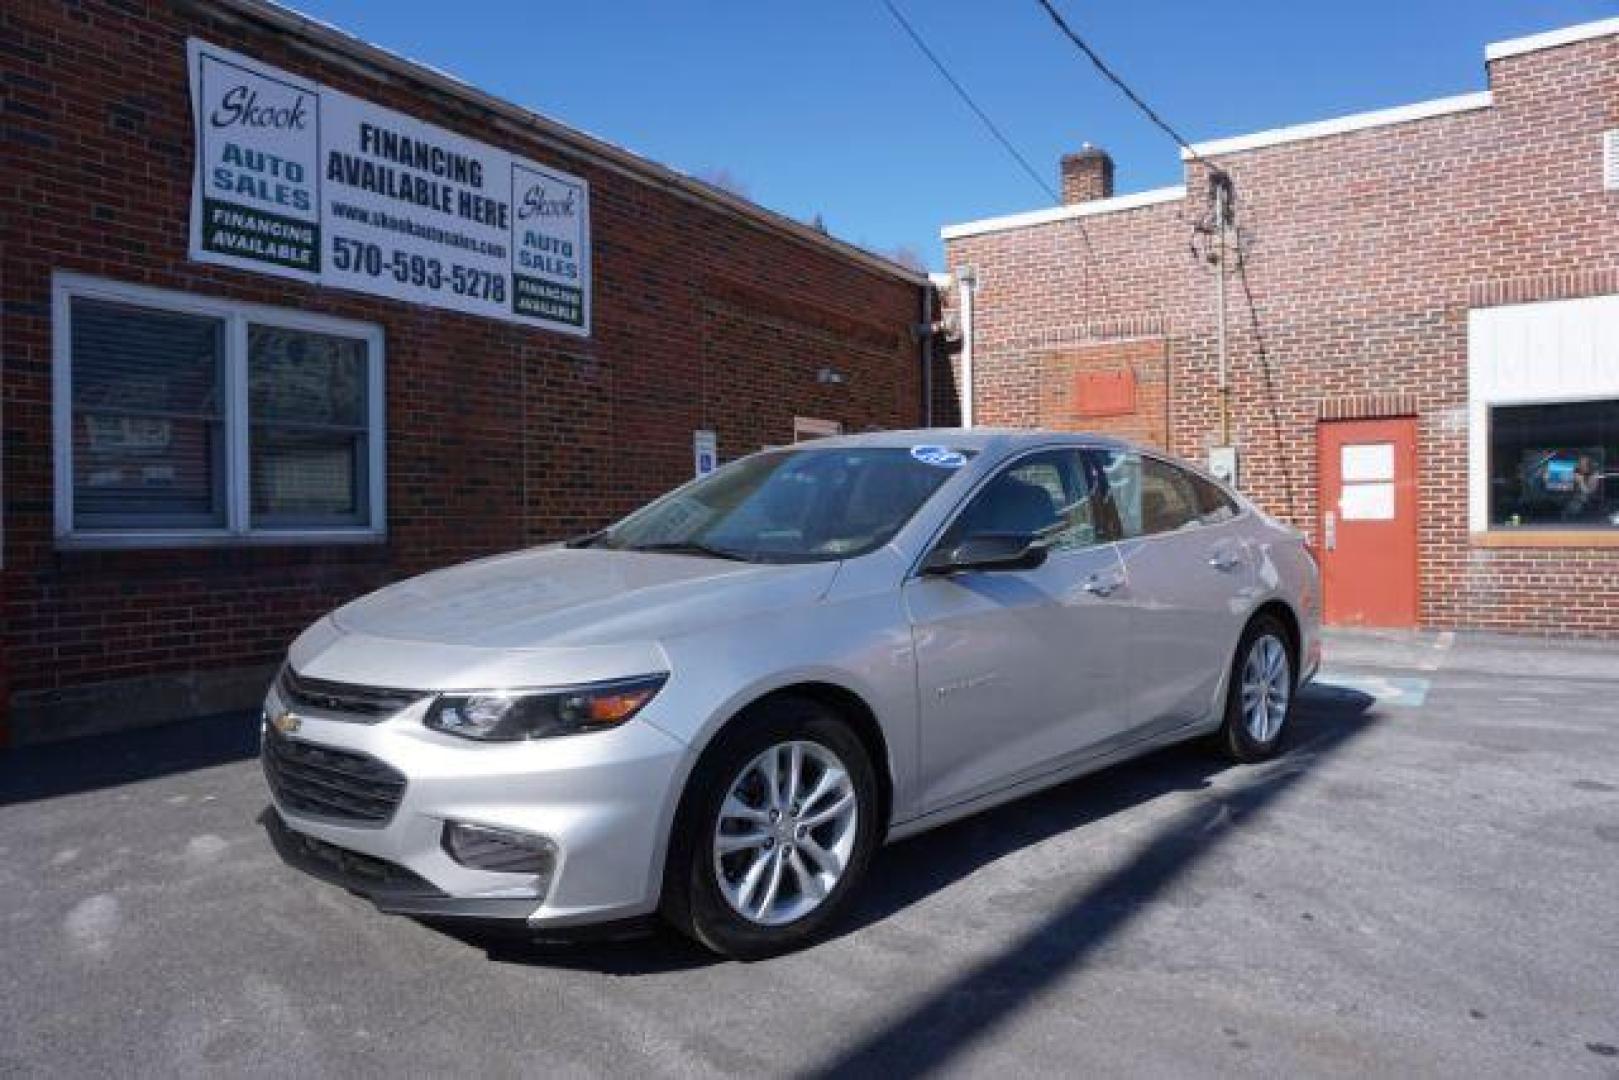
(342, 701)
(326, 782)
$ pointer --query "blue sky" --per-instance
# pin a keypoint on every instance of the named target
(826, 107)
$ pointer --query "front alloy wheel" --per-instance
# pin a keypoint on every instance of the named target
(778, 821)
(785, 832)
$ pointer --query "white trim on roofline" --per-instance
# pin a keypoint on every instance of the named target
(1400, 114)
(1066, 212)
(1565, 35)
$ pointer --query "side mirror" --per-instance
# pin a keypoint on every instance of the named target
(988, 551)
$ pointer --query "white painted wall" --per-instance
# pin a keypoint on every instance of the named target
(1525, 354)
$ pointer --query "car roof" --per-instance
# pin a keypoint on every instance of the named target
(986, 440)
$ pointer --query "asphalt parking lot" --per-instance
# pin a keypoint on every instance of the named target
(1427, 882)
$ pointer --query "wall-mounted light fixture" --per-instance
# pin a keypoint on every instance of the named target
(831, 377)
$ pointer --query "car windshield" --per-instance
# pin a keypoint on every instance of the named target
(793, 505)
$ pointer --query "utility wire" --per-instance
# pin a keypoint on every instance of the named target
(961, 92)
(1124, 87)
(995, 130)
(1264, 358)
(1218, 177)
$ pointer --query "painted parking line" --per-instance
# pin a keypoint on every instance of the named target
(1442, 645)
(1402, 692)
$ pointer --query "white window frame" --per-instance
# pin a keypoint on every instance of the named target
(1554, 352)
(237, 530)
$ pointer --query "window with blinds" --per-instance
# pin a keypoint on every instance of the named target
(193, 419)
(307, 405)
(148, 417)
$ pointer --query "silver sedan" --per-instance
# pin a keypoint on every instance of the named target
(719, 708)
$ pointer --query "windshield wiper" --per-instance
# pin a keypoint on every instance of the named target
(691, 547)
(587, 540)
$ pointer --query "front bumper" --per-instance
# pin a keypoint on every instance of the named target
(391, 887)
(604, 801)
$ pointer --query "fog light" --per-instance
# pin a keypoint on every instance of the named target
(498, 850)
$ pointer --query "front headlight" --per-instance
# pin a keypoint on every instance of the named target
(511, 715)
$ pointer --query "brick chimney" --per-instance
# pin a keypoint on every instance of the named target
(1087, 175)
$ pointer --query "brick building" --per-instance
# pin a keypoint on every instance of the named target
(232, 402)
(1427, 379)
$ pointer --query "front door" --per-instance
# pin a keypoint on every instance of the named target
(1368, 526)
(1019, 671)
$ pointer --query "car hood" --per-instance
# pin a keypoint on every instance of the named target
(557, 596)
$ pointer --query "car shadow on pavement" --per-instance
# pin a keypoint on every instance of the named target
(646, 947)
(952, 1016)
(912, 870)
(47, 770)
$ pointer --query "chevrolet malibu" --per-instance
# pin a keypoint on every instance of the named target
(718, 708)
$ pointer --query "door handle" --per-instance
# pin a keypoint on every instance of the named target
(1329, 531)
(1223, 561)
(1097, 585)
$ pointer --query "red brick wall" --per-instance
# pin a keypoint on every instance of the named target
(1366, 250)
(1070, 402)
(498, 436)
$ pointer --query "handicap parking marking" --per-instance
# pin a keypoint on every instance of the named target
(1405, 693)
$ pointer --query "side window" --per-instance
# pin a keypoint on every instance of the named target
(1213, 505)
(1149, 496)
(1047, 492)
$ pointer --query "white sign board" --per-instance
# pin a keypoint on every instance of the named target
(705, 452)
(297, 179)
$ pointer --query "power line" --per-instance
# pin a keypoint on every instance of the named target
(961, 92)
(1221, 185)
(1264, 356)
(1124, 87)
(1000, 136)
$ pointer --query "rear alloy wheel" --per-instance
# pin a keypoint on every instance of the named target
(779, 822)
(1259, 699)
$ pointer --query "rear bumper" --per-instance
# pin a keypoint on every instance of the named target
(1310, 665)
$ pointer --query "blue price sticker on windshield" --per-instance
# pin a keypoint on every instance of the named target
(941, 457)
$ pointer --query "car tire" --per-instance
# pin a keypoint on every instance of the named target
(706, 882)
(1260, 692)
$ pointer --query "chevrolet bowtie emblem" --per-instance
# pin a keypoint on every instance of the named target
(285, 723)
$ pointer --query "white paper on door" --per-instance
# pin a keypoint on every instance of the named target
(1367, 502)
(1367, 461)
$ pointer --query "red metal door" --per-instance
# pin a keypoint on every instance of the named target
(1368, 526)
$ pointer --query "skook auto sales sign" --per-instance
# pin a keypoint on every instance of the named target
(297, 179)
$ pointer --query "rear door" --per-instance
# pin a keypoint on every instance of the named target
(1018, 670)
(1191, 574)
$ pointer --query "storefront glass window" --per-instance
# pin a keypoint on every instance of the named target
(1555, 466)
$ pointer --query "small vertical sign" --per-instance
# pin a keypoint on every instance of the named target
(705, 451)
(1223, 464)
